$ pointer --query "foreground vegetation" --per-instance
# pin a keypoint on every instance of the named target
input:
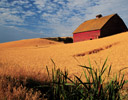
(99, 85)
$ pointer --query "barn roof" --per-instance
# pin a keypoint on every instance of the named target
(93, 24)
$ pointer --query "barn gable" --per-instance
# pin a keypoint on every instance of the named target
(113, 26)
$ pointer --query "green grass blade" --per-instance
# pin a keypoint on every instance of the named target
(85, 67)
(69, 84)
(96, 63)
(48, 72)
(68, 78)
(89, 63)
(126, 81)
(96, 74)
(81, 75)
(123, 69)
(109, 70)
(104, 70)
(104, 64)
(86, 76)
(82, 83)
(53, 62)
(122, 78)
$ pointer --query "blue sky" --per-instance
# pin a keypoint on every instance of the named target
(23, 19)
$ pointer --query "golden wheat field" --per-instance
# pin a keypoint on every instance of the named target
(30, 57)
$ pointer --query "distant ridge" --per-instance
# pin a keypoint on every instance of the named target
(29, 42)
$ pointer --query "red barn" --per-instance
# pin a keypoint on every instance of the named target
(99, 27)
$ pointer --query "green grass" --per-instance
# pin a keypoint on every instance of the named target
(96, 87)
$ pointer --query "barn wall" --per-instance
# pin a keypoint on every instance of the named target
(113, 26)
(86, 35)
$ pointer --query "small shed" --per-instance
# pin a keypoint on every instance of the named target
(99, 27)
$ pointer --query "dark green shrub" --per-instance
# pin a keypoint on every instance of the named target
(68, 40)
(59, 39)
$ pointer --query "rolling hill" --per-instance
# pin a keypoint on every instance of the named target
(30, 57)
(28, 42)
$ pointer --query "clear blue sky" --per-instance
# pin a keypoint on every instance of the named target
(23, 19)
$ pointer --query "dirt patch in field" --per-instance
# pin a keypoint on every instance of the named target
(95, 50)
